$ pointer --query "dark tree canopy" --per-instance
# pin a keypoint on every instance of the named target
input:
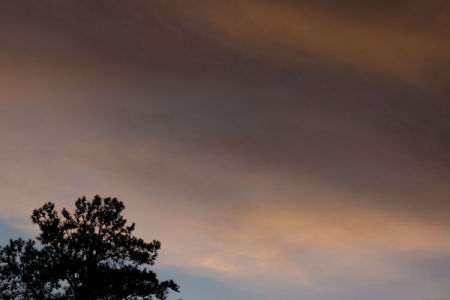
(90, 253)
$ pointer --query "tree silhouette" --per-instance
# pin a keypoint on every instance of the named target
(88, 254)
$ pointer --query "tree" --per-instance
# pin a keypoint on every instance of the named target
(88, 254)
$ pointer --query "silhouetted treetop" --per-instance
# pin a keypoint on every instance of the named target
(90, 253)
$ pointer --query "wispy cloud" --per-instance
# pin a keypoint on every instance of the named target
(390, 43)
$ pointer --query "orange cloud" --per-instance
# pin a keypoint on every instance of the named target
(303, 245)
(387, 45)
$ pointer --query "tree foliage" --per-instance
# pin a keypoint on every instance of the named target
(90, 253)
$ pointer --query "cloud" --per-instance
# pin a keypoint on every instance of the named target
(322, 248)
(390, 41)
(387, 41)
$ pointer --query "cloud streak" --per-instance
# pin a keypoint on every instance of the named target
(391, 45)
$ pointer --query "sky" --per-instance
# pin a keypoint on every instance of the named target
(277, 149)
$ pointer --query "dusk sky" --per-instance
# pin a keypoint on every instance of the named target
(290, 149)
